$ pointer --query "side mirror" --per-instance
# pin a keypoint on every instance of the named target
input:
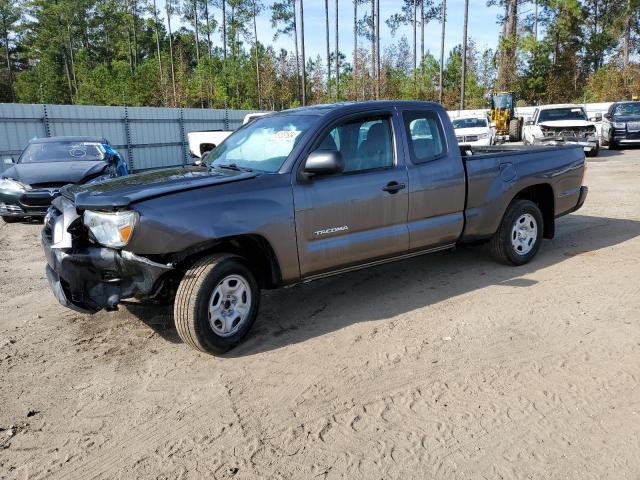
(596, 118)
(7, 161)
(529, 122)
(607, 116)
(323, 162)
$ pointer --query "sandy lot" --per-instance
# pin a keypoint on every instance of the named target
(445, 366)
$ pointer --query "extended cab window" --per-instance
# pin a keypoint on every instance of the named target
(425, 136)
(365, 144)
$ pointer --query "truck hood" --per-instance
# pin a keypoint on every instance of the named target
(123, 191)
(54, 172)
(566, 123)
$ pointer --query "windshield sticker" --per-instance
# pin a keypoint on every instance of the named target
(285, 135)
(77, 150)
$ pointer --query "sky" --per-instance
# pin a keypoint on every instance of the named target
(483, 27)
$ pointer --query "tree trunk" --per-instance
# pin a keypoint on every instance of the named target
(355, 49)
(415, 47)
(337, 56)
(422, 31)
(326, 30)
(535, 20)
(173, 70)
(626, 48)
(208, 23)
(224, 30)
(502, 67)
(155, 19)
(374, 70)
(295, 41)
(134, 21)
(464, 53)
(304, 61)
(378, 62)
(197, 32)
(72, 59)
(8, 60)
(442, 35)
(255, 37)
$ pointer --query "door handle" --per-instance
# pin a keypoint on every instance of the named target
(394, 187)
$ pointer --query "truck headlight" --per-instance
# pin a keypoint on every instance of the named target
(111, 229)
(618, 124)
(483, 135)
(13, 185)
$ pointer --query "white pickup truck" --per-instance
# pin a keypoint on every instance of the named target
(202, 142)
(559, 125)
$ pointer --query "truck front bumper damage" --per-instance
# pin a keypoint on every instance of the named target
(587, 143)
(90, 279)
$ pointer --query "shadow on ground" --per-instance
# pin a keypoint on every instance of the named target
(295, 314)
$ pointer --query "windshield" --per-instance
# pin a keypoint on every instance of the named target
(263, 144)
(502, 101)
(62, 151)
(624, 109)
(575, 113)
(469, 123)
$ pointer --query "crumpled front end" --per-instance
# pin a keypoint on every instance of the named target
(586, 137)
(87, 277)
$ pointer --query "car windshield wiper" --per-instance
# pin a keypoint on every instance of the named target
(232, 166)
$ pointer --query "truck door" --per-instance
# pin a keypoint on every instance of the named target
(359, 215)
(437, 182)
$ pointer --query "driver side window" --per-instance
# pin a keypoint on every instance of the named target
(365, 144)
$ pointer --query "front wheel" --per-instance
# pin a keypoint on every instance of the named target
(594, 151)
(216, 303)
(519, 236)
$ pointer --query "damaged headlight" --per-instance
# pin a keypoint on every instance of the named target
(111, 229)
(13, 185)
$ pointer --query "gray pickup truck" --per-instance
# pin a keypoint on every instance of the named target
(296, 196)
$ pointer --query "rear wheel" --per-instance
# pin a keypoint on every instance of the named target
(519, 236)
(514, 130)
(216, 303)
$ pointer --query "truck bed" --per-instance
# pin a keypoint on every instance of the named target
(494, 172)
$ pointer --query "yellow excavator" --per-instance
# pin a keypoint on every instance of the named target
(503, 115)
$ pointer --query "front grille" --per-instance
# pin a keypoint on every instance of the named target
(633, 126)
(49, 185)
(38, 198)
(467, 138)
(568, 132)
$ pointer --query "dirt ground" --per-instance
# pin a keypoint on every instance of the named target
(444, 366)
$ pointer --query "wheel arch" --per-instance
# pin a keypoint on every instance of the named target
(254, 248)
(542, 195)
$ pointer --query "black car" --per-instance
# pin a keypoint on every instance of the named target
(621, 125)
(46, 164)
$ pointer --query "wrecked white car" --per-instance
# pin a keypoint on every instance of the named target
(564, 124)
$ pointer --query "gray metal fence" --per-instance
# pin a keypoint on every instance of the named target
(147, 137)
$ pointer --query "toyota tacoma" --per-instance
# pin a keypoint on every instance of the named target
(296, 196)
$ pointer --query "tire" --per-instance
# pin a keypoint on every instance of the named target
(11, 219)
(594, 152)
(514, 130)
(613, 145)
(503, 244)
(199, 323)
